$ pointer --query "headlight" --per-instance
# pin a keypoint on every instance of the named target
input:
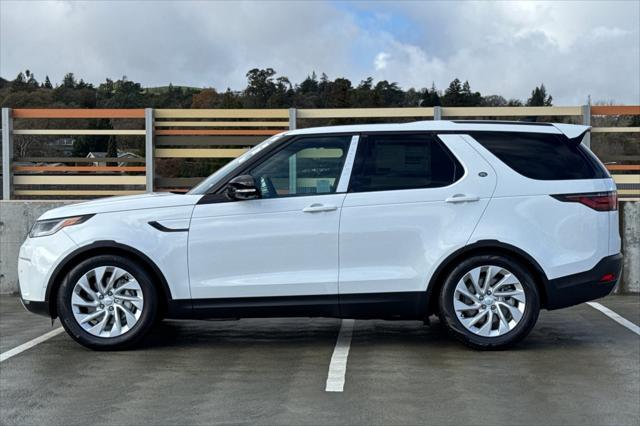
(50, 226)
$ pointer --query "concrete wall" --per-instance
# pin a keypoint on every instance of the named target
(630, 231)
(16, 218)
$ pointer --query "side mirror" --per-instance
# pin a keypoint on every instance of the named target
(242, 188)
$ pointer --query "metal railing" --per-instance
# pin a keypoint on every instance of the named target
(216, 136)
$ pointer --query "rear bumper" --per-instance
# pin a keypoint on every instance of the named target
(584, 286)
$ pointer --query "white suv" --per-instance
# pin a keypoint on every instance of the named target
(481, 223)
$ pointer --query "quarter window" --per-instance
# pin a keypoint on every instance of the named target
(388, 162)
(542, 156)
(307, 166)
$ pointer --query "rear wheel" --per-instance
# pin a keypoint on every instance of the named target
(107, 302)
(489, 302)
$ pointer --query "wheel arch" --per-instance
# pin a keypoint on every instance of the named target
(478, 248)
(106, 247)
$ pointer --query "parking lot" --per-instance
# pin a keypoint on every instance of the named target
(578, 366)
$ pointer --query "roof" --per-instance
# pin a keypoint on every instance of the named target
(570, 130)
(121, 154)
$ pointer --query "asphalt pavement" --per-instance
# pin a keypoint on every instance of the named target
(578, 366)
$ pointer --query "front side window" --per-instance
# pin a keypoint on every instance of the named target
(388, 162)
(306, 166)
(204, 186)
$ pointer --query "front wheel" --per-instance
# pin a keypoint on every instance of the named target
(489, 302)
(107, 302)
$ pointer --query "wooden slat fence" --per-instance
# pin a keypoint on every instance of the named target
(45, 177)
(197, 141)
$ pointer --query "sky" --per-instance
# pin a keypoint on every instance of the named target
(575, 48)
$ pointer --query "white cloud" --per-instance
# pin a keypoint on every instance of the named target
(609, 32)
(194, 43)
(381, 61)
(575, 48)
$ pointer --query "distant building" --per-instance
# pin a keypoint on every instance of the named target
(61, 147)
(101, 154)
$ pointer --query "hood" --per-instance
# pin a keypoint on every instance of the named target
(118, 204)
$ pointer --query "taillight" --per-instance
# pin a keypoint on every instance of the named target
(600, 201)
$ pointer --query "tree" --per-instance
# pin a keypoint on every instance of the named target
(207, 98)
(47, 83)
(412, 98)
(469, 97)
(460, 94)
(230, 100)
(19, 84)
(112, 149)
(363, 94)
(539, 97)
(31, 80)
(387, 94)
(453, 94)
(310, 84)
(307, 94)
(430, 97)
(260, 87)
(121, 93)
(494, 101)
(282, 94)
(69, 81)
(339, 93)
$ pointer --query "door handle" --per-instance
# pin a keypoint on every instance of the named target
(317, 207)
(461, 198)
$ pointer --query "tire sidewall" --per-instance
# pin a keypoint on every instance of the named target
(529, 318)
(131, 337)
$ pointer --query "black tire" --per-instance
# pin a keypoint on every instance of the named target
(449, 318)
(125, 340)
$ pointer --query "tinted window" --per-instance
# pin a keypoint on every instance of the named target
(542, 156)
(397, 161)
(306, 166)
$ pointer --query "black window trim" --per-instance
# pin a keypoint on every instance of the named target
(213, 195)
(433, 133)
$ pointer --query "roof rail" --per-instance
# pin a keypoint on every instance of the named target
(521, 122)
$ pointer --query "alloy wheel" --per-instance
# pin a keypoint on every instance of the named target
(107, 301)
(489, 301)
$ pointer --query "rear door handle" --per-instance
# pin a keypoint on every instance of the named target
(317, 207)
(461, 198)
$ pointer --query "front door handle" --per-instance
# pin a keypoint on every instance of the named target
(461, 198)
(317, 207)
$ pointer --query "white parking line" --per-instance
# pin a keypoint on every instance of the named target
(338, 365)
(31, 343)
(617, 318)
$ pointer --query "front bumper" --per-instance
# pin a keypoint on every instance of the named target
(37, 260)
(584, 286)
(40, 308)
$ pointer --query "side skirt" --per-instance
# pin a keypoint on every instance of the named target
(404, 305)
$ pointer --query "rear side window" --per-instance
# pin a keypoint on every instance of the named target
(542, 156)
(388, 162)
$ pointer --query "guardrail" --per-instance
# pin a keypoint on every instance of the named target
(215, 136)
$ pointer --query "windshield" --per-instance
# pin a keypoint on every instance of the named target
(206, 184)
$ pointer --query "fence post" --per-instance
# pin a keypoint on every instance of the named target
(437, 113)
(586, 120)
(148, 147)
(7, 152)
(293, 118)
